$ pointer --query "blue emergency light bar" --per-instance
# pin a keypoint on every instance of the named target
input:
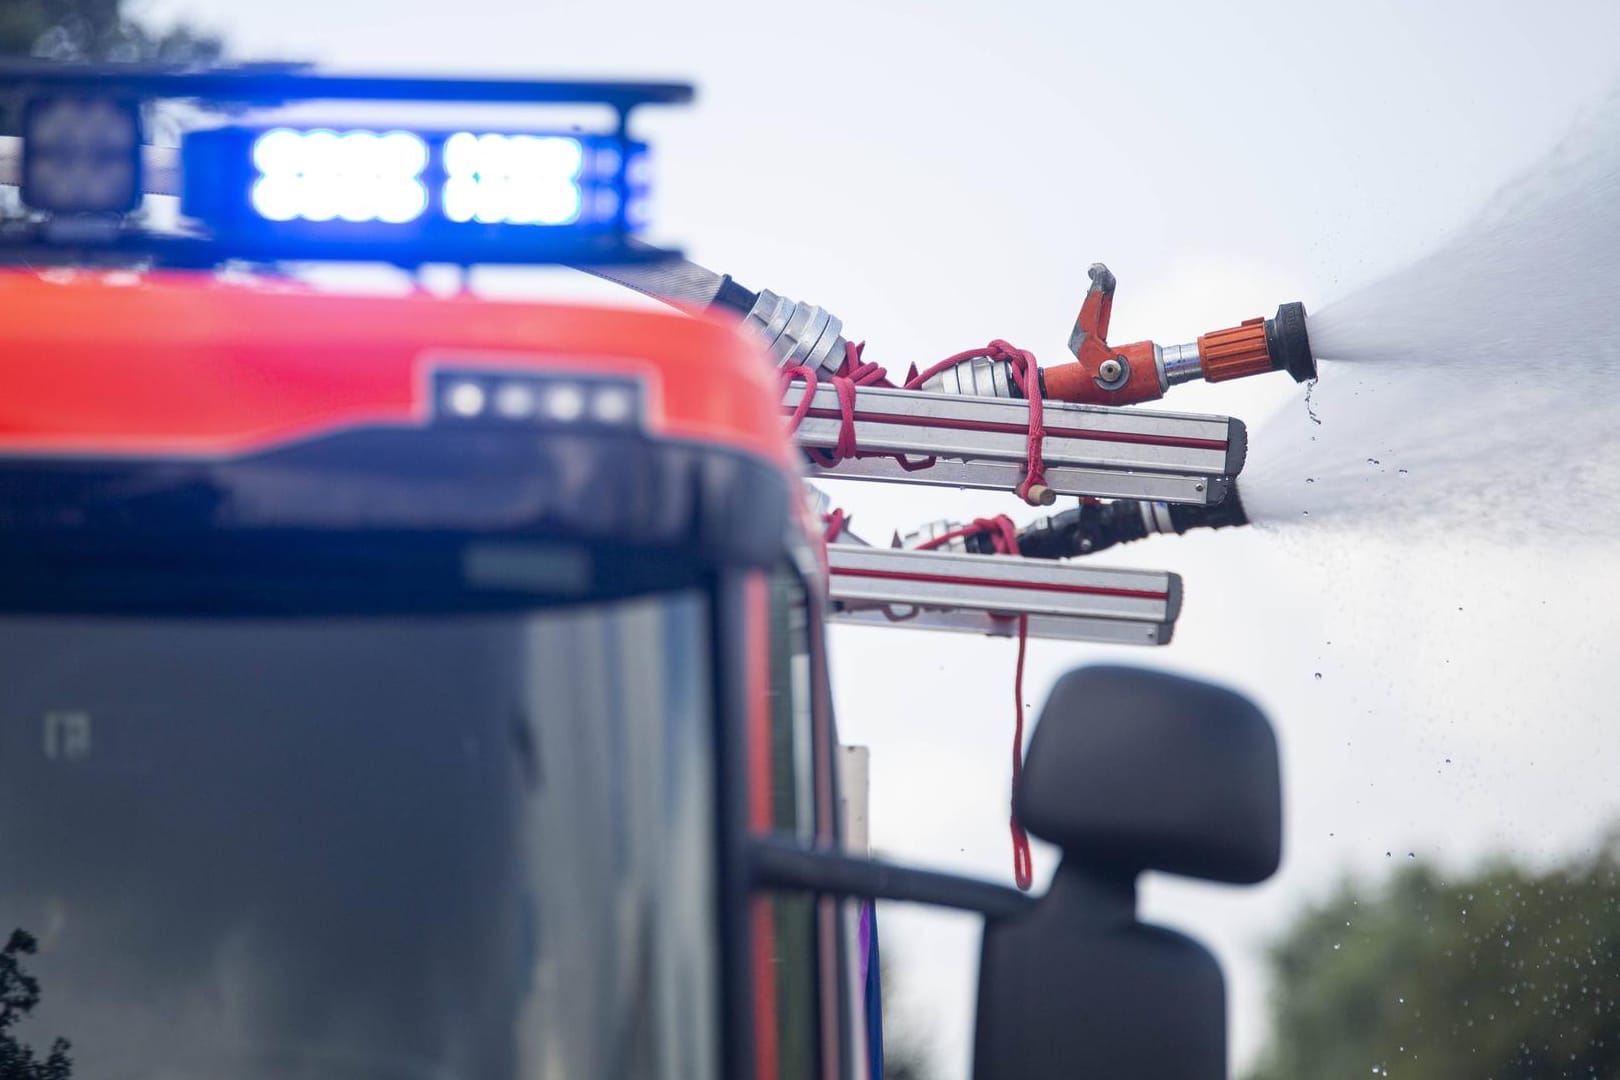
(302, 192)
(393, 184)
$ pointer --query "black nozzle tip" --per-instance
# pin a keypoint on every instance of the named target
(1228, 512)
(1289, 344)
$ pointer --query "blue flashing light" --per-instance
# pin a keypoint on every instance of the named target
(353, 176)
(405, 195)
(513, 179)
(462, 178)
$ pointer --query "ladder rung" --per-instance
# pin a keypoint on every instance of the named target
(982, 443)
(984, 593)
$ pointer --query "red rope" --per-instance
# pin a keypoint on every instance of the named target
(802, 409)
(1023, 871)
(855, 372)
(1026, 376)
(1004, 539)
(1001, 529)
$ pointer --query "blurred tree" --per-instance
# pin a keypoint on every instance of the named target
(98, 30)
(905, 1041)
(1506, 974)
(94, 31)
(19, 995)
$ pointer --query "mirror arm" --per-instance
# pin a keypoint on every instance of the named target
(777, 862)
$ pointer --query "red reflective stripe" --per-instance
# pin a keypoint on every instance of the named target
(757, 673)
(1019, 429)
(756, 606)
(1040, 586)
(767, 1054)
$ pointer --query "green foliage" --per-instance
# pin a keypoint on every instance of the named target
(19, 996)
(97, 30)
(1506, 974)
(905, 1042)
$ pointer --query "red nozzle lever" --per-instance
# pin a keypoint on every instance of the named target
(1103, 374)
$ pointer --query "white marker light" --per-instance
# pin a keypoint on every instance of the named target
(465, 399)
(565, 403)
(612, 405)
(515, 401)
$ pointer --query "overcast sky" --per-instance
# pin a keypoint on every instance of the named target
(940, 174)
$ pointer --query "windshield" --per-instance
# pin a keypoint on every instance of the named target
(461, 846)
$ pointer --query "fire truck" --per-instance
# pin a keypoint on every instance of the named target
(425, 685)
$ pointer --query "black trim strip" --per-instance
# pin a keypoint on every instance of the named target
(782, 863)
(734, 909)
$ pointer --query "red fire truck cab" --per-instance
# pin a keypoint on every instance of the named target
(430, 686)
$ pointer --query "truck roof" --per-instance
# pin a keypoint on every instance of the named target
(187, 364)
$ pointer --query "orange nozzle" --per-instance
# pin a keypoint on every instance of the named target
(1103, 374)
(1236, 351)
(1083, 380)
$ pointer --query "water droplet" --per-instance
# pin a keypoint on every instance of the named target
(1318, 676)
(1411, 854)
(1310, 479)
(1335, 946)
(1373, 461)
(1402, 472)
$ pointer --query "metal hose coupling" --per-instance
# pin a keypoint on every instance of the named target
(1094, 526)
(798, 334)
(977, 376)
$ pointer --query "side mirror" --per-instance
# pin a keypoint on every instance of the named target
(1129, 770)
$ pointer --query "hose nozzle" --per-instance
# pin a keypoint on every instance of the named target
(1103, 374)
(1253, 347)
(1094, 526)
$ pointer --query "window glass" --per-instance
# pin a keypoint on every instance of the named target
(464, 846)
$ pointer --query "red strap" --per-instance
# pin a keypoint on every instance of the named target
(1023, 871)
(1004, 538)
